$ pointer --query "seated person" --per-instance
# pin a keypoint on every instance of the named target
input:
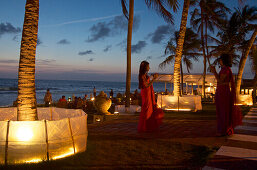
(62, 102)
(79, 103)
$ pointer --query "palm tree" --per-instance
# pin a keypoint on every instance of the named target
(233, 38)
(210, 14)
(179, 48)
(245, 17)
(243, 61)
(190, 51)
(27, 104)
(159, 6)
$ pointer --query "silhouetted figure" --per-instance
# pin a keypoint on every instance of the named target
(94, 92)
(48, 98)
(111, 94)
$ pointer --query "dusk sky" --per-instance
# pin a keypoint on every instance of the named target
(86, 39)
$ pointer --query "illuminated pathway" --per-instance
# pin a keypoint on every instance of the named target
(240, 152)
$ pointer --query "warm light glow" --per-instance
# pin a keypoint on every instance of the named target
(246, 91)
(116, 112)
(34, 161)
(208, 89)
(186, 102)
(97, 119)
(210, 84)
(92, 98)
(24, 133)
(71, 152)
(179, 109)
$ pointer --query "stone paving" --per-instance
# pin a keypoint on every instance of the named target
(240, 151)
(172, 127)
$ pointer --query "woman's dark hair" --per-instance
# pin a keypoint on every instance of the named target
(226, 59)
(142, 71)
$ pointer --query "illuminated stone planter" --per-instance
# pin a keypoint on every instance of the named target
(184, 103)
(58, 133)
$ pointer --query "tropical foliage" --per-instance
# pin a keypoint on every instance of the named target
(190, 52)
(234, 38)
(210, 15)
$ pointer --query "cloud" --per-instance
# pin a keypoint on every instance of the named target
(91, 59)
(122, 43)
(16, 38)
(137, 48)
(159, 34)
(107, 48)
(63, 41)
(114, 27)
(85, 52)
(45, 61)
(149, 57)
(39, 42)
(9, 61)
(99, 31)
(8, 28)
(120, 23)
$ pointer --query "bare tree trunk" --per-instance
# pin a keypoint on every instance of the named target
(27, 104)
(129, 39)
(179, 48)
(243, 61)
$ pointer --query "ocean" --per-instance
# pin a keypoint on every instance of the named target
(8, 89)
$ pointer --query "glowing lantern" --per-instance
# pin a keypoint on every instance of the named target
(36, 141)
(24, 134)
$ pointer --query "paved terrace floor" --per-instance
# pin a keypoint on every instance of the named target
(196, 130)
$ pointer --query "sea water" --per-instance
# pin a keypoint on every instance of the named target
(8, 89)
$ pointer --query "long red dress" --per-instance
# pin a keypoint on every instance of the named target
(228, 114)
(150, 117)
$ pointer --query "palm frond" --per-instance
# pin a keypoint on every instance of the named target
(124, 8)
(159, 7)
(168, 60)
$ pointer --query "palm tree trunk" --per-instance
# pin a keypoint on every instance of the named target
(179, 48)
(182, 82)
(129, 39)
(243, 61)
(27, 104)
(204, 57)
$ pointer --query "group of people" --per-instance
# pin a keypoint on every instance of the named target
(228, 113)
(74, 103)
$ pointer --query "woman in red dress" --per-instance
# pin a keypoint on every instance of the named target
(150, 116)
(228, 114)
